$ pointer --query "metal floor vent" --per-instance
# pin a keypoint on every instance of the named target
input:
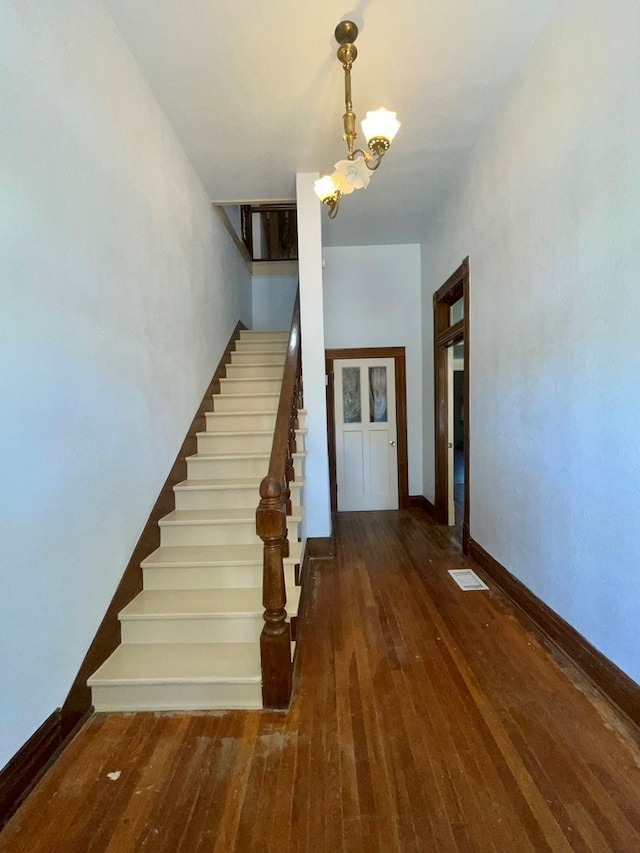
(467, 579)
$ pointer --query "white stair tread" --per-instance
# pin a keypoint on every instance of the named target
(248, 364)
(244, 432)
(154, 663)
(176, 603)
(274, 339)
(218, 516)
(240, 414)
(274, 394)
(227, 483)
(278, 356)
(237, 456)
(249, 333)
(221, 483)
(242, 379)
(175, 556)
(264, 455)
(301, 412)
(254, 347)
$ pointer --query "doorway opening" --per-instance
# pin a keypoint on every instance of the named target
(451, 385)
(367, 428)
(456, 436)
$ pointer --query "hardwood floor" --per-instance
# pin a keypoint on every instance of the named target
(424, 719)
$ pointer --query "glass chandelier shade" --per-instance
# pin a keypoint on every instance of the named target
(380, 124)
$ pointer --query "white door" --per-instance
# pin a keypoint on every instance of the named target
(365, 418)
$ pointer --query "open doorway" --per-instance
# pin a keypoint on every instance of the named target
(451, 383)
(455, 438)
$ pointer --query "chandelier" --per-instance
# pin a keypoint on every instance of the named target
(379, 128)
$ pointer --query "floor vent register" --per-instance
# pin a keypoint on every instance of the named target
(467, 579)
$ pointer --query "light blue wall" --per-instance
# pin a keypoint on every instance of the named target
(372, 299)
(272, 300)
(119, 289)
(549, 214)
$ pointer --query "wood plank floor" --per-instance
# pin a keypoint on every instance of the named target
(425, 719)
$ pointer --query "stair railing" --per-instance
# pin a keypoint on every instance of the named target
(271, 527)
(270, 231)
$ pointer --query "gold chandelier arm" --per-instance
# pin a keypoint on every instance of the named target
(372, 161)
(332, 203)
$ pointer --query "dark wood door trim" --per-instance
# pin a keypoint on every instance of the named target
(445, 335)
(452, 335)
(399, 357)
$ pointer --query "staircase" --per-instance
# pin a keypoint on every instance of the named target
(190, 639)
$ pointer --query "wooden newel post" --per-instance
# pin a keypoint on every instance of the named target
(275, 640)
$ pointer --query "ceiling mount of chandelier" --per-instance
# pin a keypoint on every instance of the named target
(379, 129)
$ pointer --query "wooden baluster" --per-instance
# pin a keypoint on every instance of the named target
(287, 490)
(293, 447)
(289, 474)
(275, 640)
(289, 470)
(285, 545)
(299, 400)
(247, 228)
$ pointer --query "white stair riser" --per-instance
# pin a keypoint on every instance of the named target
(245, 421)
(264, 335)
(178, 696)
(211, 468)
(212, 577)
(245, 403)
(251, 386)
(228, 629)
(226, 498)
(258, 358)
(242, 533)
(261, 346)
(238, 442)
(254, 371)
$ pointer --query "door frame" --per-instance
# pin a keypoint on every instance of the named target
(399, 357)
(444, 336)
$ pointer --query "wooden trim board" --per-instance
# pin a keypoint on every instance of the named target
(20, 774)
(445, 335)
(320, 547)
(316, 548)
(420, 502)
(607, 677)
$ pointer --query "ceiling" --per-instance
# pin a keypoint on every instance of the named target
(255, 93)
